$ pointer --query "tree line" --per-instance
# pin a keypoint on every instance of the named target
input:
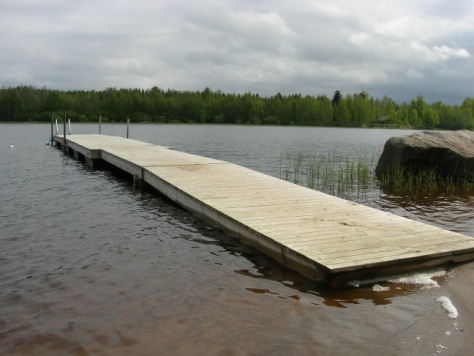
(26, 103)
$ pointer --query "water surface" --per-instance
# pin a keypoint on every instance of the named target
(89, 264)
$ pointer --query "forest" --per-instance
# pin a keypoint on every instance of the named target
(155, 105)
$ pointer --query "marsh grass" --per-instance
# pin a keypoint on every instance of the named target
(425, 182)
(332, 174)
(351, 178)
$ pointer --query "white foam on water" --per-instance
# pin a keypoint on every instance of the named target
(448, 305)
(379, 288)
(440, 348)
(425, 279)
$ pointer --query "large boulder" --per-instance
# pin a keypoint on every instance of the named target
(450, 153)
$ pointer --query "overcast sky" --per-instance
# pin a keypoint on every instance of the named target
(396, 48)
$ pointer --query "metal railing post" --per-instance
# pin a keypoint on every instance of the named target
(52, 133)
(64, 134)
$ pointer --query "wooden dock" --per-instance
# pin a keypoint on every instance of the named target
(322, 237)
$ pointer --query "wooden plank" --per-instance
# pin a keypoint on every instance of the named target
(320, 236)
(364, 239)
(345, 253)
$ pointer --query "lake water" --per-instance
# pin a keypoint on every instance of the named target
(89, 264)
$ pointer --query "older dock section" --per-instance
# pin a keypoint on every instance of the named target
(322, 237)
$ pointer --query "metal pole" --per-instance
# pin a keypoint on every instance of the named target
(100, 124)
(69, 126)
(52, 133)
(128, 124)
(64, 134)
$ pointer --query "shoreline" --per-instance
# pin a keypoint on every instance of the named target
(460, 289)
(436, 333)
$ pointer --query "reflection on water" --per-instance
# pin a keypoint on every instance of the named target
(88, 264)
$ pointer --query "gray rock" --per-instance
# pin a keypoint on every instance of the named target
(450, 153)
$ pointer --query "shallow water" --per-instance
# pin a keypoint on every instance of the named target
(88, 264)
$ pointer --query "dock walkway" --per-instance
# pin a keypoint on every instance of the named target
(322, 237)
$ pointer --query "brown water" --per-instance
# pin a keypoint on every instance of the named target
(90, 265)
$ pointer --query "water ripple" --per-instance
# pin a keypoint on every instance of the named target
(88, 264)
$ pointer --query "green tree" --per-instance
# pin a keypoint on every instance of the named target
(360, 108)
(57, 101)
(342, 115)
(336, 98)
(414, 119)
(430, 118)
(403, 115)
(12, 105)
(29, 103)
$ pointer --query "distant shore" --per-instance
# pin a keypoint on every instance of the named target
(156, 105)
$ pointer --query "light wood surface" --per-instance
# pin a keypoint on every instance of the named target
(321, 236)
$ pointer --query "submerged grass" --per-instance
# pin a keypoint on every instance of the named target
(424, 182)
(351, 178)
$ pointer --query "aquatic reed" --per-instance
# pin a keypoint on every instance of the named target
(351, 178)
(423, 182)
(332, 174)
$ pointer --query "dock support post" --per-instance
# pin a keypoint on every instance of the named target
(89, 161)
(57, 127)
(52, 134)
(100, 124)
(64, 134)
(69, 126)
(92, 163)
(137, 181)
(128, 124)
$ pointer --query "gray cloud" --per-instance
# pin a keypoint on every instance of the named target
(396, 48)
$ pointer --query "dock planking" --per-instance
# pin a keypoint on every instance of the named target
(320, 236)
